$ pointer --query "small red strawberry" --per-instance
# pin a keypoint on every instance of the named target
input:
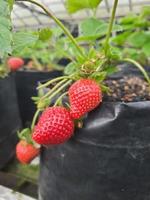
(26, 152)
(84, 96)
(15, 63)
(55, 126)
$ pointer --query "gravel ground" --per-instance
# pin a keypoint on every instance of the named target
(128, 89)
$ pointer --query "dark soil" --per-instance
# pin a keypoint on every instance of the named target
(128, 89)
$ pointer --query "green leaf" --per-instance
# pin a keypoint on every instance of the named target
(129, 19)
(92, 53)
(95, 28)
(5, 29)
(121, 38)
(23, 39)
(99, 76)
(115, 53)
(131, 53)
(76, 5)
(87, 38)
(145, 13)
(146, 49)
(111, 70)
(90, 26)
(70, 68)
(138, 39)
(105, 88)
(57, 32)
(45, 34)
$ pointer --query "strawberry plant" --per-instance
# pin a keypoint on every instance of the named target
(133, 41)
(70, 97)
(45, 54)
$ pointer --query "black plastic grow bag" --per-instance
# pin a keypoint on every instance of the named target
(10, 121)
(26, 83)
(108, 159)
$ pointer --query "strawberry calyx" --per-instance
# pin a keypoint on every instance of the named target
(25, 135)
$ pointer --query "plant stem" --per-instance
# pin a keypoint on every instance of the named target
(106, 45)
(37, 64)
(60, 89)
(35, 118)
(52, 81)
(61, 96)
(59, 23)
(140, 68)
(53, 89)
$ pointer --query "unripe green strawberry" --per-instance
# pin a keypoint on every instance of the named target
(84, 96)
(55, 126)
(26, 152)
(15, 63)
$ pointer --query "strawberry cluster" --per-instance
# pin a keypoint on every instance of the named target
(56, 124)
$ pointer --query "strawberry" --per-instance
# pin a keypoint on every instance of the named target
(26, 152)
(15, 63)
(55, 126)
(84, 96)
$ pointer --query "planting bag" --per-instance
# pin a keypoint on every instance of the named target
(10, 121)
(26, 83)
(108, 159)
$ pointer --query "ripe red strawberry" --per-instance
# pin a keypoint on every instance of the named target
(26, 152)
(84, 96)
(55, 126)
(15, 63)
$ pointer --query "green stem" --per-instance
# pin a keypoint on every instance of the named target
(53, 89)
(60, 89)
(37, 63)
(140, 68)
(57, 102)
(52, 81)
(35, 118)
(94, 12)
(59, 23)
(106, 45)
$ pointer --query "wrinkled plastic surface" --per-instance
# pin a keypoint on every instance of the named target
(10, 121)
(108, 159)
(26, 83)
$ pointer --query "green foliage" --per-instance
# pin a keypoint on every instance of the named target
(131, 22)
(90, 26)
(99, 76)
(23, 39)
(76, 5)
(138, 39)
(44, 47)
(70, 68)
(120, 39)
(5, 28)
(45, 34)
(91, 29)
(145, 13)
(133, 42)
(129, 19)
(146, 49)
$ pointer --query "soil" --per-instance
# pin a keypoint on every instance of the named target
(128, 89)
